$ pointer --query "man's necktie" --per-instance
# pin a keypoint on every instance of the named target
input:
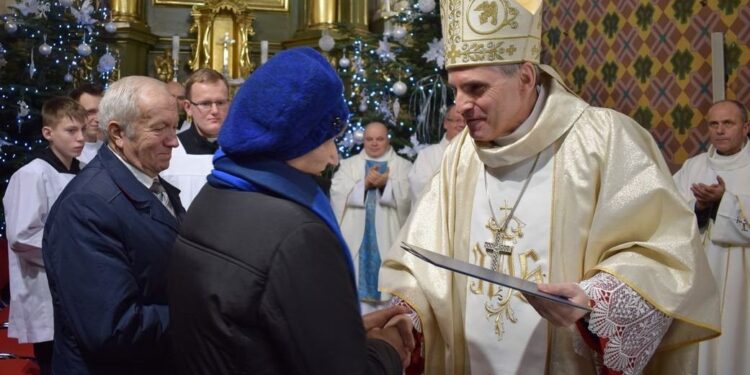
(158, 189)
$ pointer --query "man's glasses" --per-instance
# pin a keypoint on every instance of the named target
(207, 105)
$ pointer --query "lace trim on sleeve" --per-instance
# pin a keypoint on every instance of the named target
(632, 327)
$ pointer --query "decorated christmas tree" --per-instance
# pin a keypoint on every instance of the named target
(396, 77)
(46, 49)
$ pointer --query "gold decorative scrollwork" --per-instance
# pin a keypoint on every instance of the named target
(211, 22)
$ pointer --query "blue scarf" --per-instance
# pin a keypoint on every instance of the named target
(369, 253)
(280, 180)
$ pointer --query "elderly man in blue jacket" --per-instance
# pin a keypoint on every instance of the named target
(108, 239)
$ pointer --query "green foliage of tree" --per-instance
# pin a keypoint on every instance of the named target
(24, 86)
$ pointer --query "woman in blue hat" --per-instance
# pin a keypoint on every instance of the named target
(261, 280)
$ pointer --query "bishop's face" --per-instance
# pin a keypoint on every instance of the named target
(492, 103)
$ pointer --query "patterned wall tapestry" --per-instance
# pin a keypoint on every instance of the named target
(651, 60)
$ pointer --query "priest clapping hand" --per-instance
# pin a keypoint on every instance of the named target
(558, 314)
(707, 195)
(375, 179)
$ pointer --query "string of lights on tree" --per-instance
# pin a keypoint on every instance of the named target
(46, 49)
(396, 77)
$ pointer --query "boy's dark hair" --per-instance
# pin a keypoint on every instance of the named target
(203, 75)
(58, 108)
(86, 88)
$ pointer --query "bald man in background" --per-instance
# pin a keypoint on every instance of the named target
(370, 197)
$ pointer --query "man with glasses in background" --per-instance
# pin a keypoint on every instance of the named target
(715, 183)
(207, 103)
(207, 94)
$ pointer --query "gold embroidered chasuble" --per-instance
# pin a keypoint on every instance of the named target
(615, 209)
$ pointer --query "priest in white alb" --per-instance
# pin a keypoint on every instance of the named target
(427, 163)
(544, 187)
(716, 184)
(370, 197)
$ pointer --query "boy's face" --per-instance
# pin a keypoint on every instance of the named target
(65, 139)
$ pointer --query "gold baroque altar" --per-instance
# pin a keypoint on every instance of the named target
(223, 30)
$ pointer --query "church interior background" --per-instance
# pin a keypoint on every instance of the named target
(651, 60)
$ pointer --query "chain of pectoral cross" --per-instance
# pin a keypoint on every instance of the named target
(503, 241)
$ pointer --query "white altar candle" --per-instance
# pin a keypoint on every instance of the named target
(263, 51)
(387, 8)
(176, 49)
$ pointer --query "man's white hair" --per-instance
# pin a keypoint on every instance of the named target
(121, 102)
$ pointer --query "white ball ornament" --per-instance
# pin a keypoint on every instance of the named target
(110, 27)
(362, 107)
(11, 26)
(344, 62)
(359, 136)
(399, 32)
(326, 42)
(45, 49)
(399, 88)
(426, 6)
(84, 49)
(68, 77)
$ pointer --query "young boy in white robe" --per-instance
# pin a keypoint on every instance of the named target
(28, 199)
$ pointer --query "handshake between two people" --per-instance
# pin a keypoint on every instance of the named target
(393, 326)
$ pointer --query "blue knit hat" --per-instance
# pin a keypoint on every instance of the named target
(289, 106)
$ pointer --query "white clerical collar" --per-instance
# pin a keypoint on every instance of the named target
(527, 124)
(96, 144)
(729, 162)
(383, 157)
(140, 176)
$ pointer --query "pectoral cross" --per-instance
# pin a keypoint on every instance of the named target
(503, 244)
(226, 41)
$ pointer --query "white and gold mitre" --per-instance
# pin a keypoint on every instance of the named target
(484, 32)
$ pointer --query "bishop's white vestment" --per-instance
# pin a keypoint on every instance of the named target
(727, 244)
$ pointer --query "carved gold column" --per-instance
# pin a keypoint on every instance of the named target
(133, 38)
(318, 15)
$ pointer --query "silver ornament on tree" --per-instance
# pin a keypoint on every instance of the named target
(32, 67)
(426, 6)
(110, 27)
(344, 62)
(68, 77)
(399, 88)
(362, 107)
(45, 49)
(11, 26)
(326, 41)
(399, 32)
(358, 136)
(84, 49)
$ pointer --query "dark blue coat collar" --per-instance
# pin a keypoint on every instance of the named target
(135, 191)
